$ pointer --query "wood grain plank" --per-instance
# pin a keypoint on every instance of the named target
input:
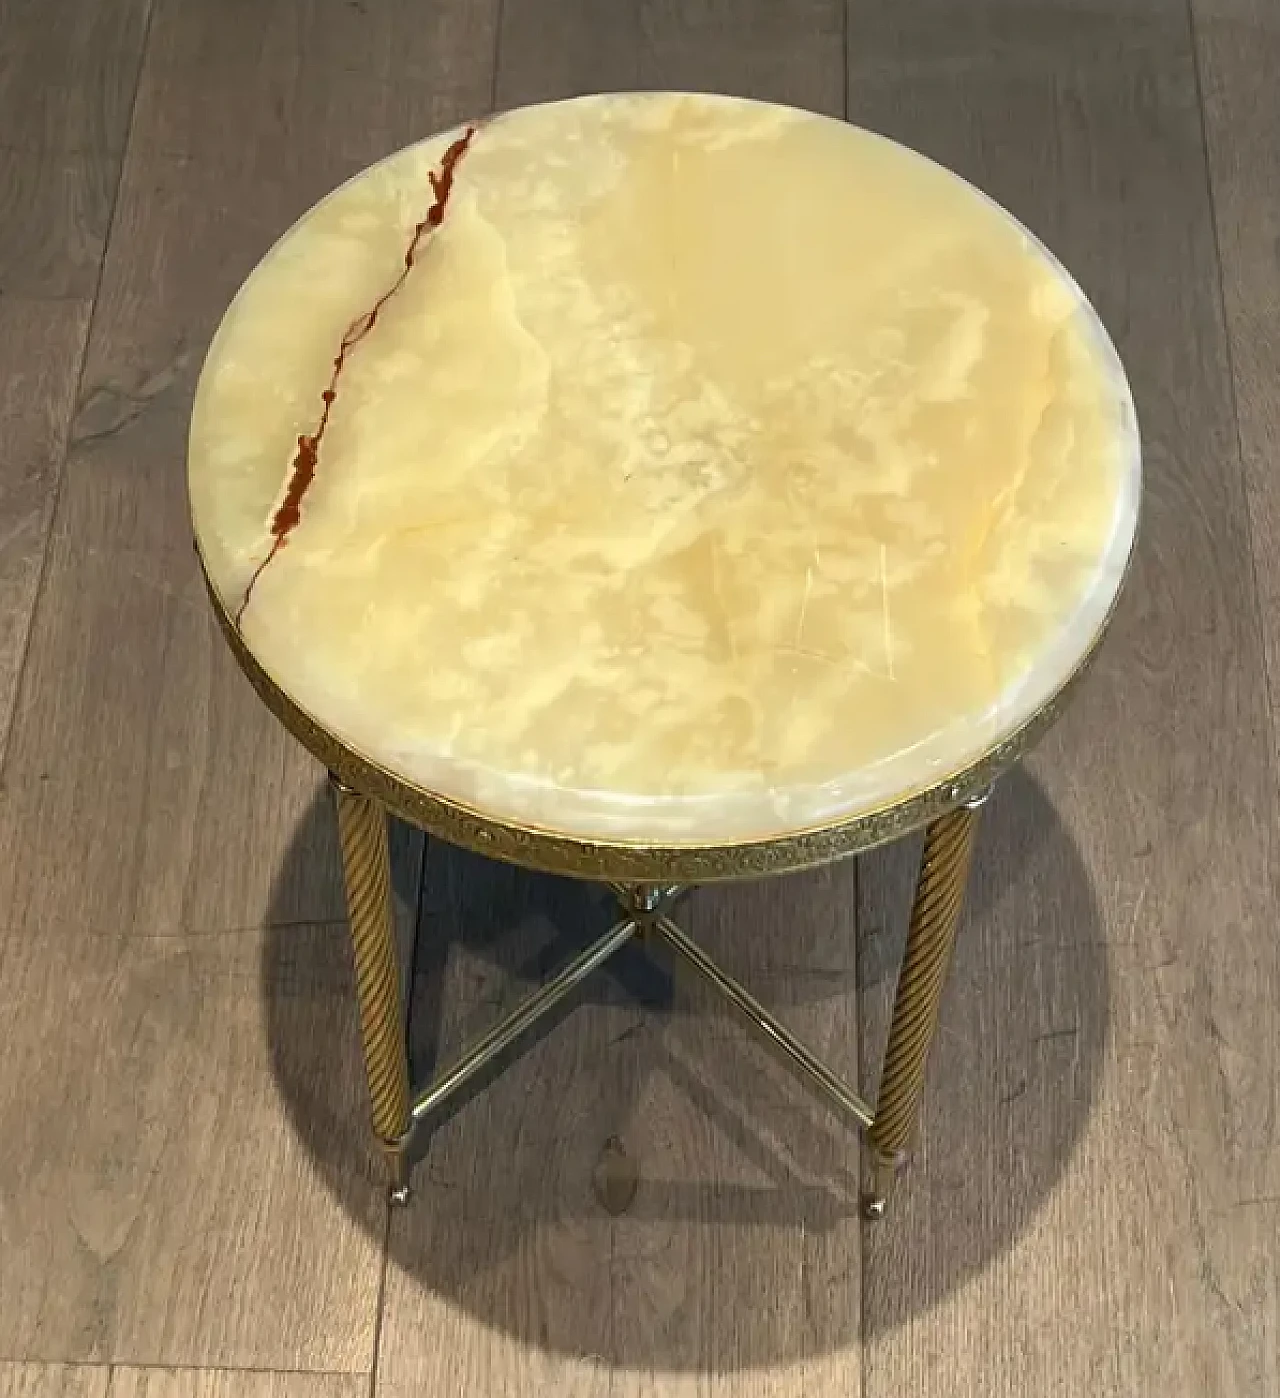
(157, 1204)
(71, 66)
(941, 41)
(40, 346)
(139, 758)
(272, 84)
(643, 1153)
(1085, 1210)
(504, 1306)
(784, 53)
(67, 84)
(598, 1184)
(68, 73)
(54, 210)
(736, 1268)
(1239, 46)
(643, 1190)
(232, 1383)
(586, 1305)
(53, 1380)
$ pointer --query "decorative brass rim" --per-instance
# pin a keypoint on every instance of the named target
(622, 861)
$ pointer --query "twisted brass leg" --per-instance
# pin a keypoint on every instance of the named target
(944, 870)
(366, 866)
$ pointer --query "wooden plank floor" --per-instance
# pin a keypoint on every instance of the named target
(642, 1203)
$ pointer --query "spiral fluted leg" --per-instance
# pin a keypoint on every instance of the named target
(935, 915)
(366, 866)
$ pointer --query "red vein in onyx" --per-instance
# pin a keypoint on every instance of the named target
(304, 463)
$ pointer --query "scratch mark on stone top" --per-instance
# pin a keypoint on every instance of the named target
(804, 603)
(886, 623)
(307, 458)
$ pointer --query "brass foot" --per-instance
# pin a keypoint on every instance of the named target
(396, 1154)
(884, 1170)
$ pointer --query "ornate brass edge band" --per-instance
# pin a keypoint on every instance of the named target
(623, 862)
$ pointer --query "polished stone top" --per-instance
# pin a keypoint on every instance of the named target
(667, 468)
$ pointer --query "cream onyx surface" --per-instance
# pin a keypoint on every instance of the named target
(709, 470)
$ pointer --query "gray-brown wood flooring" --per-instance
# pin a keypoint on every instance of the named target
(642, 1204)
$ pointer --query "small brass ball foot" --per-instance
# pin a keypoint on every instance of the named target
(399, 1195)
(874, 1207)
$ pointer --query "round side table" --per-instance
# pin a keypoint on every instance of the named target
(660, 489)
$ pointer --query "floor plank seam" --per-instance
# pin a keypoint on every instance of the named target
(199, 936)
(112, 1365)
(380, 1304)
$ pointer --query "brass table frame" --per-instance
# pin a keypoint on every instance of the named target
(646, 879)
(399, 1109)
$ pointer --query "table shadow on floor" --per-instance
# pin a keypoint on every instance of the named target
(678, 1225)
